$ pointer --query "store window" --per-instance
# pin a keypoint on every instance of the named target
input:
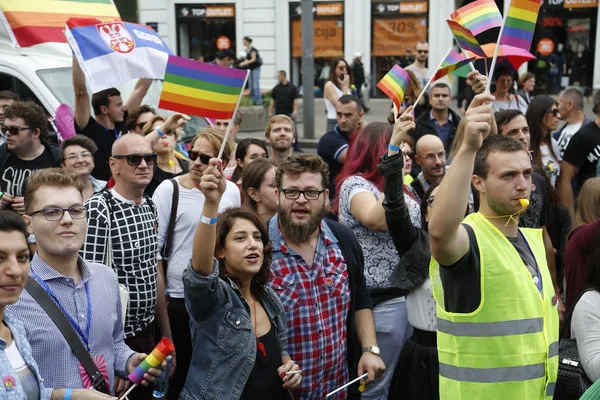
(328, 37)
(564, 43)
(396, 29)
(204, 29)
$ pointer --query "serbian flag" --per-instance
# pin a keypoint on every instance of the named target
(113, 53)
(31, 22)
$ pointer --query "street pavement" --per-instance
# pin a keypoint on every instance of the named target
(379, 109)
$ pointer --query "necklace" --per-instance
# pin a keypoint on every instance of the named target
(259, 345)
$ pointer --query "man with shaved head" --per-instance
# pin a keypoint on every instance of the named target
(431, 157)
(570, 107)
(122, 233)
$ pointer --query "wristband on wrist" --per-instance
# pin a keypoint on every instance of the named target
(393, 148)
(159, 131)
(208, 221)
(68, 394)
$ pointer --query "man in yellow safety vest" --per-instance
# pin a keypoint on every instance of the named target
(496, 307)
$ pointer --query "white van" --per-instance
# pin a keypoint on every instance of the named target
(43, 74)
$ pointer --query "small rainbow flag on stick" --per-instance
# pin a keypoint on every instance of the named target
(451, 63)
(394, 84)
(31, 22)
(201, 89)
(465, 38)
(520, 23)
(478, 16)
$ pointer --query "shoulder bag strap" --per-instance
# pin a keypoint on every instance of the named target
(106, 195)
(167, 247)
(63, 325)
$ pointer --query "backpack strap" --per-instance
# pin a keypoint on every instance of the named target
(168, 245)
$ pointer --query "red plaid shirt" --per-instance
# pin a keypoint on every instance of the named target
(317, 301)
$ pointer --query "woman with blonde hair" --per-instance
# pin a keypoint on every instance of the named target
(581, 239)
(168, 164)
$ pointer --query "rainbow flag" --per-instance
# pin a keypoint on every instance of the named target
(451, 64)
(465, 38)
(201, 89)
(394, 84)
(520, 23)
(478, 16)
(31, 22)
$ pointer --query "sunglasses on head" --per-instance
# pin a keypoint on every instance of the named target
(136, 159)
(554, 112)
(204, 159)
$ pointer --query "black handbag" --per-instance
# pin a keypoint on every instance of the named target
(571, 381)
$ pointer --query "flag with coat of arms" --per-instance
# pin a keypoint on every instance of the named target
(113, 53)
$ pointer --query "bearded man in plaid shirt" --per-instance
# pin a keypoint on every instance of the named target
(317, 271)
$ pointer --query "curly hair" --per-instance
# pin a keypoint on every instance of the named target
(50, 177)
(224, 224)
(32, 114)
(298, 164)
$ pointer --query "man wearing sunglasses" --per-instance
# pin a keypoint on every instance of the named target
(25, 151)
(418, 66)
(122, 233)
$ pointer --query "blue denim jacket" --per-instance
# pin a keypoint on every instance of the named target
(6, 370)
(223, 336)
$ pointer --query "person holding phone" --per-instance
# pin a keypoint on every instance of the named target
(340, 83)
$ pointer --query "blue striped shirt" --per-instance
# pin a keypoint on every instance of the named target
(58, 365)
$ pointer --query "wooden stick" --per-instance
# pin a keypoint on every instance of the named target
(226, 138)
(128, 391)
(347, 384)
(431, 79)
(489, 82)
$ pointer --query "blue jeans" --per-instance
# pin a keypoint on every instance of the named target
(255, 86)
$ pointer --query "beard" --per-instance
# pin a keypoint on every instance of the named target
(300, 232)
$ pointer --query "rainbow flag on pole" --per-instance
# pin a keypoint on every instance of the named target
(521, 19)
(31, 22)
(465, 38)
(451, 64)
(478, 16)
(394, 84)
(201, 89)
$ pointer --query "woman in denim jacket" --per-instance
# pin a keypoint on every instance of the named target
(19, 374)
(238, 323)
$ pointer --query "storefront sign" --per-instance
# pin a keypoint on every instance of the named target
(581, 3)
(203, 12)
(413, 7)
(403, 7)
(223, 43)
(328, 38)
(220, 11)
(545, 46)
(393, 36)
(328, 9)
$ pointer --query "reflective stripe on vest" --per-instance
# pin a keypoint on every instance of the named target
(493, 375)
(487, 329)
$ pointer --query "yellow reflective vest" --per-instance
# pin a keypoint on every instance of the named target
(508, 347)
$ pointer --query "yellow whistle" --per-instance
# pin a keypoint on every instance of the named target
(171, 163)
(362, 387)
(524, 202)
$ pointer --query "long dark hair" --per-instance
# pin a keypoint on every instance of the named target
(240, 154)
(424, 223)
(332, 67)
(12, 222)
(538, 108)
(253, 177)
(224, 224)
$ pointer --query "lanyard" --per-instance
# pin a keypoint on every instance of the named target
(73, 323)
(539, 282)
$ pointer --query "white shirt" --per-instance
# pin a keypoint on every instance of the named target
(331, 112)
(189, 210)
(585, 327)
(565, 136)
(551, 164)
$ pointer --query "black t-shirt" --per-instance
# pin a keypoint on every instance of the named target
(104, 139)
(462, 280)
(539, 212)
(159, 176)
(284, 96)
(330, 147)
(16, 171)
(583, 152)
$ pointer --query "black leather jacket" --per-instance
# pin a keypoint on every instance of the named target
(412, 243)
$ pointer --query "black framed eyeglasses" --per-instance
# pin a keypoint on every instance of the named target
(57, 213)
(136, 159)
(293, 194)
(430, 200)
(13, 130)
(204, 158)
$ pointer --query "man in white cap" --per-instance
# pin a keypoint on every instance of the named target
(358, 70)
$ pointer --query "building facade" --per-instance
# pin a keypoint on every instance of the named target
(384, 31)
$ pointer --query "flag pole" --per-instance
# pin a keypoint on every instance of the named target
(226, 138)
(489, 82)
(466, 54)
(431, 79)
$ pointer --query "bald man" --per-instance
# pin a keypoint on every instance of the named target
(122, 233)
(431, 157)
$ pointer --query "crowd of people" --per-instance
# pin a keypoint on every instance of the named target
(394, 254)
